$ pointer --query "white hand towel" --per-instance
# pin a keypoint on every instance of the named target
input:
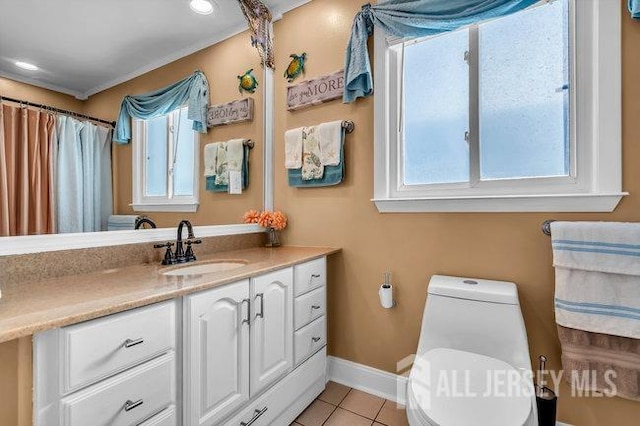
(222, 166)
(293, 148)
(210, 154)
(312, 168)
(235, 154)
(329, 136)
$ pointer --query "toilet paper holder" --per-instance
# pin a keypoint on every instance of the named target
(385, 292)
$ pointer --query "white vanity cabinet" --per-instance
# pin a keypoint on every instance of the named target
(216, 368)
(251, 352)
(116, 370)
(271, 328)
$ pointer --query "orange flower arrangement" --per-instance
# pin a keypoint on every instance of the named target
(267, 219)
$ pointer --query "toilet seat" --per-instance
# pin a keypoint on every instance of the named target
(448, 387)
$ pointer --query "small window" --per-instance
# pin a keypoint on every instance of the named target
(498, 116)
(165, 163)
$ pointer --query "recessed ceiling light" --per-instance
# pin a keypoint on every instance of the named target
(203, 7)
(26, 66)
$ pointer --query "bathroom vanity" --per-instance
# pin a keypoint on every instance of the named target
(240, 347)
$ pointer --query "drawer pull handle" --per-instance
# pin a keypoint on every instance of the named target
(129, 342)
(315, 306)
(130, 405)
(247, 320)
(315, 339)
(261, 313)
(312, 277)
(255, 417)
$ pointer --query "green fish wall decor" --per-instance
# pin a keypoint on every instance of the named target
(248, 82)
(296, 67)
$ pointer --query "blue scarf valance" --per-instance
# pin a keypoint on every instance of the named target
(634, 8)
(192, 91)
(412, 18)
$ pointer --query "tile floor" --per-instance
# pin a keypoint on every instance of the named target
(340, 405)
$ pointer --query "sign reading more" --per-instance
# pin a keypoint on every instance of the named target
(232, 112)
(316, 91)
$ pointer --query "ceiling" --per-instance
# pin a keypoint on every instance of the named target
(83, 47)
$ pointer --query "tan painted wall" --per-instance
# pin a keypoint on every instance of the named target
(221, 63)
(27, 92)
(416, 246)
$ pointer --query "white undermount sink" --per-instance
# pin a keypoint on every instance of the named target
(201, 268)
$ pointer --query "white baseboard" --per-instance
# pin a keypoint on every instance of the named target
(367, 379)
(371, 380)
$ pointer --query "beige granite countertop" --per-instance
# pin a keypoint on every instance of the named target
(30, 307)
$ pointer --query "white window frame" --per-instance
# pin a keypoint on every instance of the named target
(595, 182)
(170, 202)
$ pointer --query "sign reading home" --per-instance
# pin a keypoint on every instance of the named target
(316, 91)
(232, 112)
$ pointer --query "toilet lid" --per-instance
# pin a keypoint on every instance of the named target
(458, 388)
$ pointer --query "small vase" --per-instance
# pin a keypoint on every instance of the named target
(273, 238)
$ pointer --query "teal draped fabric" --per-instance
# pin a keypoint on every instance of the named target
(412, 18)
(192, 91)
(634, 8)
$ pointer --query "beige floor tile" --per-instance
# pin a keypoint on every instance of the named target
(342, 417)
(392, 414)
(362, 403)
(315, 414)
(334, 393)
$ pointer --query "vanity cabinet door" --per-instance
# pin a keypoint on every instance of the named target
(271, 328)
(217, 356)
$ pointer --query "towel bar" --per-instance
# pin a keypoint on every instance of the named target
(546, 227)
(348, 126)
(250, 143)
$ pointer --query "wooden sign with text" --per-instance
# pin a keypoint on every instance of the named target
(232, 112)
(316, 91)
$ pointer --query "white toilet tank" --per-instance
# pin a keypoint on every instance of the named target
(475, 315)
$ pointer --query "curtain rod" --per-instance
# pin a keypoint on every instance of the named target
(62, 111)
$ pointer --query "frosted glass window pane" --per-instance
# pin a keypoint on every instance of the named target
(436, 110)
(524, 94)
(183, 173)
(156, 155)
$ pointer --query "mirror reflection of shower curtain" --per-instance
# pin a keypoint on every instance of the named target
(27, 139)
(82, 176)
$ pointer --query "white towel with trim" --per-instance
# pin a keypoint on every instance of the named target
(330, 139)
(210, 154)
(121, 222)
(293, 148)
(597, 276)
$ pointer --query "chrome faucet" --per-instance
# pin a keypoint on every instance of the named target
(180, 255)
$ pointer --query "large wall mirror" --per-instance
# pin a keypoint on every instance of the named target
(90, 70)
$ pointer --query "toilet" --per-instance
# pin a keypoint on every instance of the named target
(472, 366)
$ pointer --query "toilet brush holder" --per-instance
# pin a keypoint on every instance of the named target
(547, 401)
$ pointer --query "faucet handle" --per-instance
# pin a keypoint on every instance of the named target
(189, 255)
(169, 258)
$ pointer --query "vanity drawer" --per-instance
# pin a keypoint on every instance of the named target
(166, 417)
(97, 349)
(309, 339)
(309, 275)
(126, 398)
(309, 306)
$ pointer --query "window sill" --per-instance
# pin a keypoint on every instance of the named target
(182, 207)
(507, 203)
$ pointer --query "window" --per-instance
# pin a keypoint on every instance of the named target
(499, 116)
(165, 163)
